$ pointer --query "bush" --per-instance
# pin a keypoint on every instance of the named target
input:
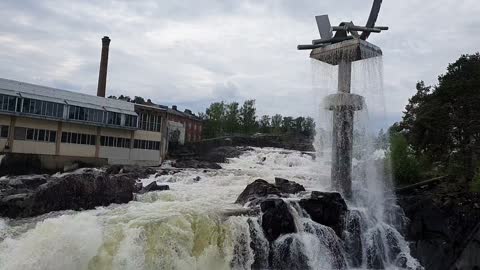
(406, 169)
(475, 184)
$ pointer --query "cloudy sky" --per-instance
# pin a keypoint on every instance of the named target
(190, 52)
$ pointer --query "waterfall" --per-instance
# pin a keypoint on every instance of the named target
(371, 239)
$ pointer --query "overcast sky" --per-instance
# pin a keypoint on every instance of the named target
(190, 52)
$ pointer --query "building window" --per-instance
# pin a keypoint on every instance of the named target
(85, 114)
(8, 103)
(113, 118)
(40, 107)
(147, 145)
(150, 122)
(4, 131)
(33, 134)
(130, 120)
(78, 138)
(114, 142)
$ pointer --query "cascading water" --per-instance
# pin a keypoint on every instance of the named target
(195, 224)
(372, 239)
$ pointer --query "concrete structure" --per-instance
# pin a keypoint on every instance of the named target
(63, 126)
(343, 49)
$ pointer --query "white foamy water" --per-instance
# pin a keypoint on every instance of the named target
(182, 228)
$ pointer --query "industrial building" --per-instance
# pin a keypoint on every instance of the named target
(59, 127)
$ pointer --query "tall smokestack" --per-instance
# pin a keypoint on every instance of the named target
(102, 75)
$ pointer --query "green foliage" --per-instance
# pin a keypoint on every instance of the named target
(248, 116)
(277, 123)
(404, 165)
(264, 124)
(227, 118)
(475, 184)
(442, 123)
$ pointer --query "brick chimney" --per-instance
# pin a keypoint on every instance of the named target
(102, 75)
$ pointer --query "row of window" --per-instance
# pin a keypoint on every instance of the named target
(41, 107)
(52, 109)
(8, 103)
(144, 144)
(114, 141)
(34, 134)
(4, 131)
(150, 122)
(78, 138)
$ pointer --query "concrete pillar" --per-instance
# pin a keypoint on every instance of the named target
(59, 138)
(11, 133)
(342, 136)
(97, 141)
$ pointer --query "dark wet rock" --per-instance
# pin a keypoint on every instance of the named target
(72, 191)
(196, 164)
(132, 170)
(221, 154)
(375, 251)
(154, 186)
(326, 208)
(197, 179)
(287, 186)
(276, 219)
(288, 253)
(27, 181)
(259, 244)
(353, 239)
(256, 190)
(443, 217)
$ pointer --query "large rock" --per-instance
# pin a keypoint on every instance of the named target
(132, 170)
(73, 191)
(443, 218)
(153, 187)
(326, 208)
(287, 186)
(276, 219)
(256, 190)
(221, 154)
(196, 164)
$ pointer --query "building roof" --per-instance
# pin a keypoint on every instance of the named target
(27, 90)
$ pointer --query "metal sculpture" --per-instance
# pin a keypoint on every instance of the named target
(341, 49)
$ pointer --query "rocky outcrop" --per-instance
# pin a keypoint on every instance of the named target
(154, 186)
(258, 189)
(287, 186)
(196, 164)
(261, 189)
(442, 219)
(73, 191)
(326, 208)
(276, 219)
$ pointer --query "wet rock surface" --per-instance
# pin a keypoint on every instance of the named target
(196, 164)
(32, 195)
(154, 186)
(259, 189)
(276, 219)
(326, 208)
(443, 219)
(287, 186)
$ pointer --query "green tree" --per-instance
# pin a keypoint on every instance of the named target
(264, 124)
(248, 116)
(298, 125)
(232, 118)
(404, 165)
(287, 124)
(215, 117)
(277, 123)
(442, 122)
(308, 128)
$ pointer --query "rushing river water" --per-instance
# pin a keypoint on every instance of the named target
(184, 228)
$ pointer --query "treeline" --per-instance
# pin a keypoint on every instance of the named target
(440, 130)
(222, 118)
(136, 99)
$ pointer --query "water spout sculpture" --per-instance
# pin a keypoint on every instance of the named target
(341, 49)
